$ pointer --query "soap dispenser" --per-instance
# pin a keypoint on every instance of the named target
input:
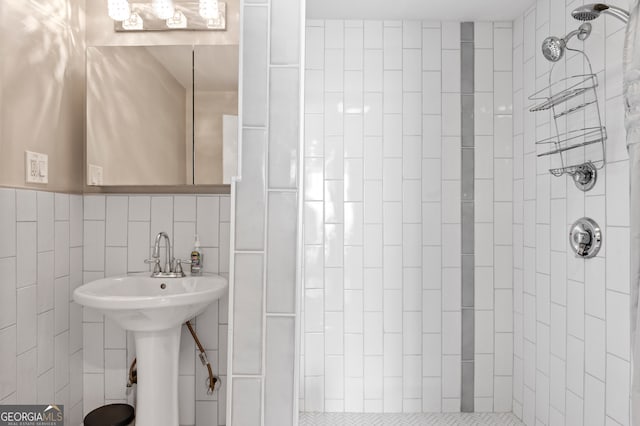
(196, 258)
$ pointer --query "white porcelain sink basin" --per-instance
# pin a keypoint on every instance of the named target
(154, 309)
(142, 303)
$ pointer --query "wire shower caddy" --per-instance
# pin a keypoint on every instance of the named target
(579, 151)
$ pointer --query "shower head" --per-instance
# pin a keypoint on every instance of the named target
(589, 12)
(553, 47)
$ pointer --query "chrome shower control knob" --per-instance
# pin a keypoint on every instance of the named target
(585, 237)
(585, 177)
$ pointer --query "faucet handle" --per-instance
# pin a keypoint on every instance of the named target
(178, 268)
(156, 264)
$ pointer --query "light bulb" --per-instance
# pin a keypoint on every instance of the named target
(163, 8)
(119, 10)
(209, 9)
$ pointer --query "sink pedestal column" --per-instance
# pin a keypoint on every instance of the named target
(157, 389)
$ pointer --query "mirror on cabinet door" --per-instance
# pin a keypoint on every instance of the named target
(216, 96)
(159, 115)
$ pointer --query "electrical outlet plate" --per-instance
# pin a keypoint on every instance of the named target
(95, 175)
(37, 167)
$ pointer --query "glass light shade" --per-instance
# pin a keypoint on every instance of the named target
(119, 10)
(134, 22)
(209, 9)
(163, 8)
(177, 21)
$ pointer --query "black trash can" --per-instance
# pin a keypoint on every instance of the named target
(111, 415)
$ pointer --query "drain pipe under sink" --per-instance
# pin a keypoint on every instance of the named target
(212, 380)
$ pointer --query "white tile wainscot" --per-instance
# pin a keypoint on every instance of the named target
(40, 326)
(119, 232)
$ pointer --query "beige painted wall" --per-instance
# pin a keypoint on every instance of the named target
(136, 119)
(42, 90)
(42, 80)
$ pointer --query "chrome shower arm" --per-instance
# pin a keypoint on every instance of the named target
(582, 33)
(570, 35)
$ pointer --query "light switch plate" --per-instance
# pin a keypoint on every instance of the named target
(37, 167)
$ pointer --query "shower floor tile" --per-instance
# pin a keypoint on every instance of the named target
(427, 419)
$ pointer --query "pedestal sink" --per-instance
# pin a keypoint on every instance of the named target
(154, 309)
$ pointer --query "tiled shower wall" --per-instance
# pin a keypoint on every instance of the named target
(40, 327)
(119, 233)
(571, 316)
(492, 237)
(382, 213)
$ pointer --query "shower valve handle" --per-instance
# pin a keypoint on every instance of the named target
(585, 237)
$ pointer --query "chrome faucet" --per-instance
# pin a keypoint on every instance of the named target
(168, 260)
(172, 267)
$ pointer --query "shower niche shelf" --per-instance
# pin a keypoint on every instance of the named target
(576, 147)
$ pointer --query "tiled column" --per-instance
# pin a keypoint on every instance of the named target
(432, 235)
(493, 221)
(311, 333)
(518, 215)
(412, 241)
(263, 297)
(392, 253)
(503, 185)
(372, 218)
(451, 218)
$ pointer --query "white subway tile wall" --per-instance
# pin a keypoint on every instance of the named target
(265, 201)
(493, 217)
(382, 240)
(40, 326)
(570, 316)
(119, 232)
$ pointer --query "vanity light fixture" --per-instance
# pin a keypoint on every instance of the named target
(165, 15)
(119, 10)
(163, 8)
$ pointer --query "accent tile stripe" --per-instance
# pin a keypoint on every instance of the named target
(467, 57)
